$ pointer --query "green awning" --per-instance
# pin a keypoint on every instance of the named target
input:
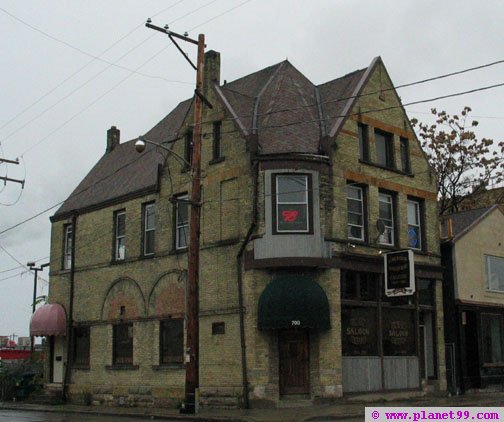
(293, 302)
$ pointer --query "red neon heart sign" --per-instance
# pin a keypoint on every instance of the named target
(290, 215)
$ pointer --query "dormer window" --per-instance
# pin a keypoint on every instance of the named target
(292, 203)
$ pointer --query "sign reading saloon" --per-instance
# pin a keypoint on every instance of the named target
(399, 273)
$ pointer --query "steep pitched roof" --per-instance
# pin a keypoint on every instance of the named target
(464, 221)
(288, 113)
(123, 172)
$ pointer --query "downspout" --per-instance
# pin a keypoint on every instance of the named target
(66, 379)
(239, 257)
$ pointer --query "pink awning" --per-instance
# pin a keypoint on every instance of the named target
(48, 320)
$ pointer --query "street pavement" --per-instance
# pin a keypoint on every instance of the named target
(351, 409)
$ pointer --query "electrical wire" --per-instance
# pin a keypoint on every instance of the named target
(92, 103)
(218, 16)
(87, 64)
(94, 57)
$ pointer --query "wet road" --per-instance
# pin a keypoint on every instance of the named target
(19, 416)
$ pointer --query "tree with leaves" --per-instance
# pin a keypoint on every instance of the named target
(464, 165)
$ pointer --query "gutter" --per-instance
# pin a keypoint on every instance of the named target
(239, 271)
(67, 377)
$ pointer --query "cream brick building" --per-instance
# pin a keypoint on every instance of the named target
(304, 188)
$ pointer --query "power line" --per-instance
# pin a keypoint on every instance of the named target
(92, 103)
(218, 16)
(87, 64)
(84, 52)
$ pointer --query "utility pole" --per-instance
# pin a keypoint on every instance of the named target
(35, 278)
(192, 311)
(8, 179)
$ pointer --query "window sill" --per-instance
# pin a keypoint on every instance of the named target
(178, 251)
(64, 271)
(122, 367)
(81, 367)
(117, 261)
(150, 256)
(392, 169)
(168, 367)
(216, 160)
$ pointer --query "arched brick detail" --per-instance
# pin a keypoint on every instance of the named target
(126, 293)
(167, 297)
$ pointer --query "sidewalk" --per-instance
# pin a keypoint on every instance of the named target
(344, 409)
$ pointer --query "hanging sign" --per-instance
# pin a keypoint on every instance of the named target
(399, 273)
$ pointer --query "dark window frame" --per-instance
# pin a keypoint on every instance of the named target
(119, 238)
(166, 355)
(363, 133)
(389, 149)
(183, 197)
(146, 230)
(484, 352)
(405, 155)
(81, 346)
(123, 344)
(67, 246)
(218, 328)
(216, 142)
(188, 149)
(309, 204)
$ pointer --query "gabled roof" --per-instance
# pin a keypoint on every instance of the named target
(123, 172)
(464, 221)
(287, 112)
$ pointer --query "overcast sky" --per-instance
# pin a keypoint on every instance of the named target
(57, 99)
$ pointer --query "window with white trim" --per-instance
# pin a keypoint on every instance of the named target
(120, 235)
(355, 212)
(495, 273)
(149, 228)
(291, 202)
(67, 247)
(414, 224)
(181, 222)
(386, 215)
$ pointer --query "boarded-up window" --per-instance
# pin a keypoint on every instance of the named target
(123, 344)
(81, 346)
(171, 342)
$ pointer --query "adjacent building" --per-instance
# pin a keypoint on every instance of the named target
(473, 255)
(305, 188)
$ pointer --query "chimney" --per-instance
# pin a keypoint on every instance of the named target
(211, 72)
(113, 137)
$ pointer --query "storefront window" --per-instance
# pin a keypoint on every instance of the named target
(359, 331)
(360, 286)
(398, 332)
(492, 338)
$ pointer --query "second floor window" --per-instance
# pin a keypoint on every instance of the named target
(384, 149)
(120, 235)
(386, 215)
(291, 203)
(414, 225)
(67, 247)
(355, 211)
(149, 228)
(181, 222)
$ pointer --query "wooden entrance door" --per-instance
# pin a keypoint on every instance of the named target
(294, 362)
